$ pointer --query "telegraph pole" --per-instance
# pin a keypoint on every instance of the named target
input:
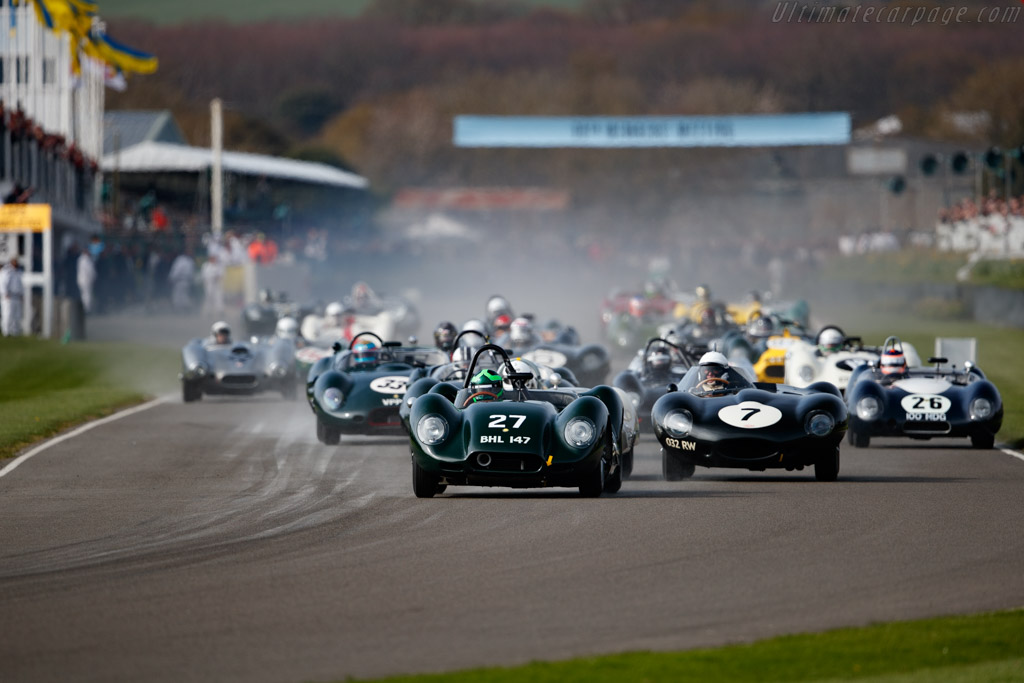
(216, 169)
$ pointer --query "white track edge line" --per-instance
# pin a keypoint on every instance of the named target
(1009, 452)
(80, 430)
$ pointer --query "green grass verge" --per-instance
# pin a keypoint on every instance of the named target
(981, 648)
(46, 387)
(915, 266)
(1006, 274)
(909, 266)
(998, 354)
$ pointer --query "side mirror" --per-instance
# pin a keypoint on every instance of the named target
(336, 346)
(672, 388)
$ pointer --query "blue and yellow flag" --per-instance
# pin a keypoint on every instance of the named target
(120, 55)
(42, 13)
(66, 16)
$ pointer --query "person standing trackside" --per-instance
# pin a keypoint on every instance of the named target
(86, 277)
(12, 299)
(212, 273)
(262, 250)
(183, 271)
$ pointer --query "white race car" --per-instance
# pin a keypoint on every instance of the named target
(833, 358)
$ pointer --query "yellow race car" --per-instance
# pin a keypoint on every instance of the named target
(771, 364)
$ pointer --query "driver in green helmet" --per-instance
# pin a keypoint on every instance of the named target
(486, 381)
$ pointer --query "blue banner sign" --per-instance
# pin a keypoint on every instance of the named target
(754, 130)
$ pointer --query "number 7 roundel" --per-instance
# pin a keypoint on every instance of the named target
(750, 415)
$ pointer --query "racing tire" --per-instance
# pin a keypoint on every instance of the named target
(826, 467)
(190, 391)
(289, 391)
(424, 484)
(593, 483)
(673, 468)
(983, 441)
(330, 436)
(613, 481)
(627, 464)
(858, 439)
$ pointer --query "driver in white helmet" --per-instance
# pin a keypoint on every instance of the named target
(830, 340)
(221, 333)
(521, 334)
(334, 314)
(287, 328)
(715, 377)
(522, 366)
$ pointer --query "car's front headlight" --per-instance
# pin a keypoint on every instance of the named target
(580, 432)
(806, 373)
(634, 398)
(678, 423)
(197, 370)
(869, 408)
(277, 370)
(333, 398)
(409, 400)
(819, 424)
(431, 430)
(981, 409)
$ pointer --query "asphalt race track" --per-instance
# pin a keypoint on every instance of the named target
(218, 541)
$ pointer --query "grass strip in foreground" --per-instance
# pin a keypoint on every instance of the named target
(976, 649)
(47, 387)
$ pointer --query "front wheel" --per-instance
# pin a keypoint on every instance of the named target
(827, 466)
(612, 482)
(858, 439)
(673, 468)
(592, 485)
(983, 440)
(424, 484)
(627, 464)
(190, 391)
(289, 390)
(326, 434)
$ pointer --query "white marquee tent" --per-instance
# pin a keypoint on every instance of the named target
(162, 157)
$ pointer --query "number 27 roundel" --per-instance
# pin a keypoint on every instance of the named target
(750, 415)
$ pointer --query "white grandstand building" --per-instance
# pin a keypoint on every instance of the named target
(51, 131)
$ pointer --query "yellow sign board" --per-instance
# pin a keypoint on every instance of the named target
(25, 218)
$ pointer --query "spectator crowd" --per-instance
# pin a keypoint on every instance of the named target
(993, 226)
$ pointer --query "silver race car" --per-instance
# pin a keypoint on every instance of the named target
(218, 365)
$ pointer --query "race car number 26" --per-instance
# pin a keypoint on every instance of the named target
(925, 403)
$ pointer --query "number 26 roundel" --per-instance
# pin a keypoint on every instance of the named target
(926, 403)
(750, 415)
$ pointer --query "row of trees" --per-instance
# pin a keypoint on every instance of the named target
(378, 93)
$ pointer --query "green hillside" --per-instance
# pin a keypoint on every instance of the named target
(241, 11)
